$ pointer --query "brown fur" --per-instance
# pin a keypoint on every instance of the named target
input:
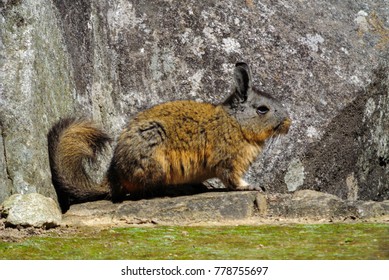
(175, 143)
(72, 142)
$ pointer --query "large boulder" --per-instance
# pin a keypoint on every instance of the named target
(104, 59)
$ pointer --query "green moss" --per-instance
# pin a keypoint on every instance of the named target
(328, 241)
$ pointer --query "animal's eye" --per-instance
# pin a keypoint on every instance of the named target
(262, 110)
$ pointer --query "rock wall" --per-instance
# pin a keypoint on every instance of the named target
(37, 88)
(108, 59)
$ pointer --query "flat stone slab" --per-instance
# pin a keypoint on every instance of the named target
(311, 204)
(205, 207)
(228, 207)
(317, 205)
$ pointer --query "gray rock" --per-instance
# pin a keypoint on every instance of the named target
(352, 158)
(36, 88)
(200, 208)
(31, 210)
(318, 205)
(226, 208)
(370, 209)
(309, 204)
(326, 60)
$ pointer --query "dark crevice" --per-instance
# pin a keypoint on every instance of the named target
(383, 161)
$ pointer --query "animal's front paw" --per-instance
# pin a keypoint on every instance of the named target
(255, 187)
(250, 187)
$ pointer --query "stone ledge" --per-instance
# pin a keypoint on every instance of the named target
(226, 207)
(212, 206)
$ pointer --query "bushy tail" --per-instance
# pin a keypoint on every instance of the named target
(72, 143)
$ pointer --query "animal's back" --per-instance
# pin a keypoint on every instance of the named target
(173, 143)
(184, 123)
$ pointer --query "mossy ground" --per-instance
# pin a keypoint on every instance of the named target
(300, 241)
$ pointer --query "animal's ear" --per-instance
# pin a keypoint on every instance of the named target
(242, 75)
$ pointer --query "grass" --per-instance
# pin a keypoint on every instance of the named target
(280, 242)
